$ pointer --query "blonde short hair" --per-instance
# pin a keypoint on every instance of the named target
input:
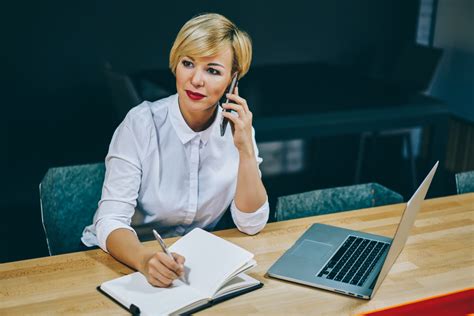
(207, 35)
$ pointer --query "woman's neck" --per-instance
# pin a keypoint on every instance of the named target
(199, 121)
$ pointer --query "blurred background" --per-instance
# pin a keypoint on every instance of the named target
(342, 91)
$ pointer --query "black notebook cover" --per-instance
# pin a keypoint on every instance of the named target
(135, 310)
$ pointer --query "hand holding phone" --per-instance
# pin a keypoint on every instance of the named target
(234, 83)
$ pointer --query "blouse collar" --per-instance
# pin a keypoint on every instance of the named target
(184, 132)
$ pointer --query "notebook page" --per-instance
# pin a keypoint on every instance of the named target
(135, 289)
(249, 265)
(238, 282)
(210, 260)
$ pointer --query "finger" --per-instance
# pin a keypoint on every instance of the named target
(178, 258)
(155, 282)
(245, 116)
(236, 107)
(155, 274)
(158, 265)
(238, 100)
(245, 105)
(235, 120)
(169, 263)
(167, 273)
(163, 279)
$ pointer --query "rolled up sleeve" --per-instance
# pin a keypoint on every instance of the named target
(250, 223)
(112, 216)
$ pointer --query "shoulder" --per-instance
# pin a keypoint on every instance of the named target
(140, 127)
(143, 117)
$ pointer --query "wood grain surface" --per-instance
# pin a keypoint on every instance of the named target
(438, 258)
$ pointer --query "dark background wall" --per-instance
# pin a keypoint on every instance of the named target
(454, 81)
(56, 108)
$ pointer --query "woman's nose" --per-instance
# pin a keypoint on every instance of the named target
(197, 79)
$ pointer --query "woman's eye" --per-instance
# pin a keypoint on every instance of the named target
(213, 71)
(187, 63)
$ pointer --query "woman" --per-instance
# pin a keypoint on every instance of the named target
(168, 163)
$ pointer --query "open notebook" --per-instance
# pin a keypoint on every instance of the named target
(214, 270)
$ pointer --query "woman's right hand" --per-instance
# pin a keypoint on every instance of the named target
(160, 270)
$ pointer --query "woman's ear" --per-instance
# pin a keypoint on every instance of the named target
(230, 79)
(235, 73)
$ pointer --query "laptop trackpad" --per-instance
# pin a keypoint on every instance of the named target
(312, 250)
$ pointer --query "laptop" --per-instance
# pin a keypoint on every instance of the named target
(347, 261)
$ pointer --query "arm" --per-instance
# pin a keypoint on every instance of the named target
(250, 193)
(157, 267)
(124, 246)
(117, 206)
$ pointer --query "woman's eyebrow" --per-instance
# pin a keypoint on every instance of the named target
(210, 64)
(216, 64)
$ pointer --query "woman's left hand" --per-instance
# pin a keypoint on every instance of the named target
(241, 123)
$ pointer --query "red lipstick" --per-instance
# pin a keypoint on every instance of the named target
(194, 95)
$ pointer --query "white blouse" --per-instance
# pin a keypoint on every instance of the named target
(159, 170)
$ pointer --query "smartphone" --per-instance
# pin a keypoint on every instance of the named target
(233, 84)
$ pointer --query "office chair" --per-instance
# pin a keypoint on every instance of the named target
(68, 198)
(465, 182)
(339, 199)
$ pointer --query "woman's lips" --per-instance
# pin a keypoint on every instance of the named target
(194, 95)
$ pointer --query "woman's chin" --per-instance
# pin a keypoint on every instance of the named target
(198, 105)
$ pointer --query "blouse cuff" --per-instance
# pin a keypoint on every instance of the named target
(105, 227)
(250, 223)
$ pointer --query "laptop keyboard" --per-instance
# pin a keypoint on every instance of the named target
(354, 260)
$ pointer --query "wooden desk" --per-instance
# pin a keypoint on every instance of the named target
(438, 258)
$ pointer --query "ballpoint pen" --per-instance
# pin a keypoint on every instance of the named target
(165, 249)
(233, 85)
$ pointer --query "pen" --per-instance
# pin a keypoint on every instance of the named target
(165, 249)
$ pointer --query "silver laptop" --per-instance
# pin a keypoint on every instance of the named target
(347, 261)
